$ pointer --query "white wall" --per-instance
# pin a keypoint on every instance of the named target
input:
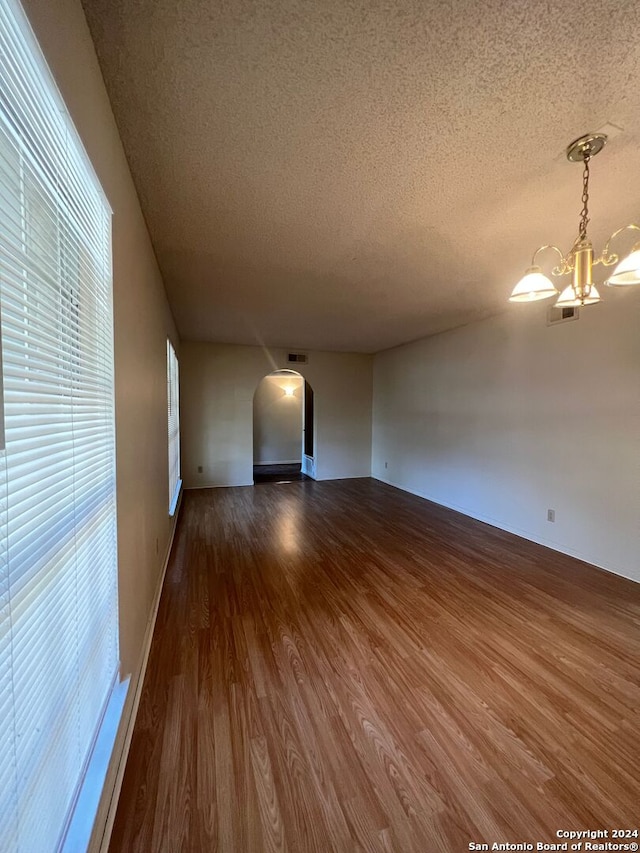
(277, 420)
(142, 323)
(506, 418)
(217, 384)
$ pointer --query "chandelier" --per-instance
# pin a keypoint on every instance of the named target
(579, 260)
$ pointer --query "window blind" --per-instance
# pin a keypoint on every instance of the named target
(173, 401)
(58, 580)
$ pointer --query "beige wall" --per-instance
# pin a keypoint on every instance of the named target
(507, 418)
(218, 382)
(142, 323)
(277, 420)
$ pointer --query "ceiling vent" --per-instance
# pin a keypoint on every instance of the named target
(297, 358)
(561, 314)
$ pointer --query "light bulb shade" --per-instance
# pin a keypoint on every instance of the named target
(628, 270)
(568, 298)
(533, 285)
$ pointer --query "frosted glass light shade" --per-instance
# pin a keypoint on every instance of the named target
(628, 270)
(568, 298)
(532, 286)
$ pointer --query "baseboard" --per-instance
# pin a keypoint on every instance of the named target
(492, 522)
(279, 462)
(366, 476)
(105, 817)
(216, 486)
(318, 479)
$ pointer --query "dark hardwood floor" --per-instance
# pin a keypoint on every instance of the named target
(283, 473)
(340, 666)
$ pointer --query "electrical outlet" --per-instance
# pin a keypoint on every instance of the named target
(199, 469)
(551, 515)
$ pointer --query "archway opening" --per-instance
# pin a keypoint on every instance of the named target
(283, 433)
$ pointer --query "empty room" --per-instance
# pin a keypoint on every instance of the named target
(320, 426)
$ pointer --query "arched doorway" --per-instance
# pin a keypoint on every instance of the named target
(283, 428)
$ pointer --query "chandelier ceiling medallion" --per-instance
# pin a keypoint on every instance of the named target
(579, 260)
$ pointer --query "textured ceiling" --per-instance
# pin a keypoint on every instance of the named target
(350, 175)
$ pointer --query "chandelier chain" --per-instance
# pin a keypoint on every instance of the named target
(584, 214)
(581, 259)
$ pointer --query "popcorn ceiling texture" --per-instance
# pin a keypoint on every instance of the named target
(347, 175)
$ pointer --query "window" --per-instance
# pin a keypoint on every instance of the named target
(58, 571)
(173, 406)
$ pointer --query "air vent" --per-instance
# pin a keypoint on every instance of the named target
(297, 358)
(561, 314)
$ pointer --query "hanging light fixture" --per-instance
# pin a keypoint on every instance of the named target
(579, 260)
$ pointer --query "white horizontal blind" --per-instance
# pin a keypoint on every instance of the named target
(173, 404)
(58, 593)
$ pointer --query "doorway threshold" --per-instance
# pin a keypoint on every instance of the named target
(286, 473)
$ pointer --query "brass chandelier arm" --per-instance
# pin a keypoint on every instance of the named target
(580, 260)
(608, 258)
(563, 267)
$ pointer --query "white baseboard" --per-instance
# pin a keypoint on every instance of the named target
(217, 486)
(105, 817)
(297, 461)
(366, 476)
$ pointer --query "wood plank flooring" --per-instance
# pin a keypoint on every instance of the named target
(340, 666)
(284, 473)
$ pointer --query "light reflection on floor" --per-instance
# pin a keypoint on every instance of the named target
(288, 529)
